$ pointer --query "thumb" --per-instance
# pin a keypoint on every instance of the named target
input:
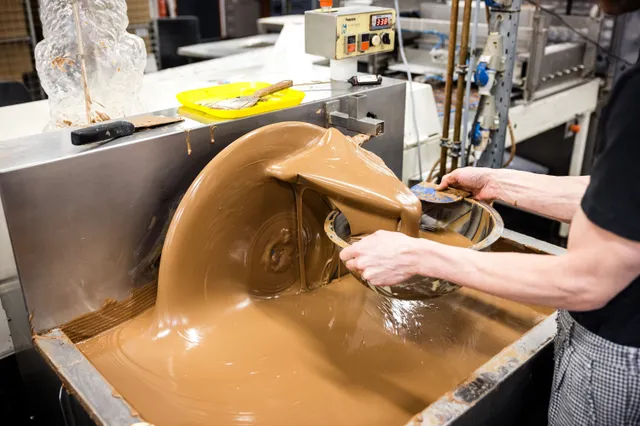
(447, 180)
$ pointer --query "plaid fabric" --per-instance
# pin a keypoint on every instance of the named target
(595, 382)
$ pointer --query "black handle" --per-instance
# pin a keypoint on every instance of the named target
(102, 132)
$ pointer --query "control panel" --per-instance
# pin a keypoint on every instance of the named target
(350, 32)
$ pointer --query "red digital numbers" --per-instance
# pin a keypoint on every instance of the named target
(380, 21)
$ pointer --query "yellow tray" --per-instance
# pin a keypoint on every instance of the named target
(283, 99)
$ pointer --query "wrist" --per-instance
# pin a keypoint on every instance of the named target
(497, 181)
(429, 256)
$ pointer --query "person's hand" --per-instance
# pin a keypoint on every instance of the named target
(383, 258)
(480, 181)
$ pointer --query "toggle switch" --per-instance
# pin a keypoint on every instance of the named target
(364, 42)
(351, 44)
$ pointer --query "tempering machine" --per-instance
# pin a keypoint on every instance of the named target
(79, 221)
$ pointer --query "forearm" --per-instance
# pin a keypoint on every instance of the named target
(555, 281)
(551, 196)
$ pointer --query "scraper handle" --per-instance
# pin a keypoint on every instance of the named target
(102, 132)
(285, 84)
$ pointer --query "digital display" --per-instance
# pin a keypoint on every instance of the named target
(380, 22)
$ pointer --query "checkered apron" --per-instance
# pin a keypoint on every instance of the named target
(595, 382)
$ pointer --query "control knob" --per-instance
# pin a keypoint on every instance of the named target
(386, 39)
(375, 40)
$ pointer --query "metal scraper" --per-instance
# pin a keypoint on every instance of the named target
(116, 129)
(242, 102)
(426, 191)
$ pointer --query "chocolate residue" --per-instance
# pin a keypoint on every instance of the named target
(236, 337)
(360, 139)
(187, 134)
(62, 62)
(111, 314)
(212, 130)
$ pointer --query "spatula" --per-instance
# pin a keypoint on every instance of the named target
(426, 191)
(116, 129)
(242, 102)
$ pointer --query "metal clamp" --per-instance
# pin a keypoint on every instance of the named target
(445, 143)
(461, 69)
(355, 119)
(455, 150)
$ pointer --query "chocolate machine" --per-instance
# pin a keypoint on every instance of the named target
(81, 222)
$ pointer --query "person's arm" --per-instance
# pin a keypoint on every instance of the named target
(603, 255)
(597, 266)
(551, 196)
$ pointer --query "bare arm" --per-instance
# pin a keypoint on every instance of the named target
(597, 266)
(551, 196)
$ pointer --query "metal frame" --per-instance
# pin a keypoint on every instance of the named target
(82, 379)
(32, 28)
(218, 49)
(507, 25)
(531, 119)
(426, 24)
(489, 377)
(547, 65)
(115, 190)
(626, 41)
(536, 54)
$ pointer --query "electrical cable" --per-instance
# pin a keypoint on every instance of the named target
(512, 136)
(410, 85)
(433, 169)
(64, 416)
(579, 34)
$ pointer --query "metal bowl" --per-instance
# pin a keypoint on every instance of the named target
(475, 220)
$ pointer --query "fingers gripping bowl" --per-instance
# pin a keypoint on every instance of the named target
(474, 220)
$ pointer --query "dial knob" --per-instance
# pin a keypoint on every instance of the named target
(386, 39)
(375, 40)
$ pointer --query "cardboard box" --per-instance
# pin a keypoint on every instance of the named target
(15, 60)
(13, 20)
(138, 12)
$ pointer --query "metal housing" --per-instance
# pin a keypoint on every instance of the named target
(76, 217)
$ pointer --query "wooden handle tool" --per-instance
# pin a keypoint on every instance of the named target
(242, 102)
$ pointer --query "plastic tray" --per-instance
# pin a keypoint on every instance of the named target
(283, 99)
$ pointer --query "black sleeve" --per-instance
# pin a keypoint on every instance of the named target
(612, 200)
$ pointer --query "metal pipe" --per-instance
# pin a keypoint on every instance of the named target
(448, 88)
(467, 90)
(462, 63)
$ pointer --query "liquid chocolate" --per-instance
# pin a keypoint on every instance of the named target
(248, 326)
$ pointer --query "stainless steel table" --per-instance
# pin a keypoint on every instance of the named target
(219, 49)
